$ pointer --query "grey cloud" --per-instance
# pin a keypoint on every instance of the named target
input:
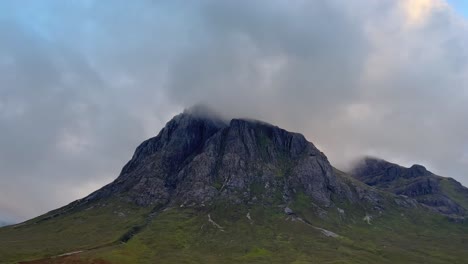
(83, 82)
(262, 54)
(67, 129)
(355, 81)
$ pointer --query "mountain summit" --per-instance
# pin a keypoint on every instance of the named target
(444, 195)
(208, 190)
(197, 159)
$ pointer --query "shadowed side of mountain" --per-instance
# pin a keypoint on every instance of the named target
(444, 195)
(149, 178)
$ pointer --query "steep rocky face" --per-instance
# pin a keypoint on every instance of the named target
(375, 171)
(196, 160)
(250, 160)
(151, 174)
(444, 195)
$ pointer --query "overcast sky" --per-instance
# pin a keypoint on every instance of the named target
(82, 83)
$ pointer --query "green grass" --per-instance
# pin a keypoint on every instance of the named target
(452, 190)
(184, 235)
(97, 225)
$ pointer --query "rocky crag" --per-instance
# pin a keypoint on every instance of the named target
(199, 158)
(441, 194)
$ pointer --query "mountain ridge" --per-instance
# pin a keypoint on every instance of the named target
(256, 141)
(441, 194)
(208, 190)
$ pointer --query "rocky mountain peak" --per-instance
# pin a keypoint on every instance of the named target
(443, 195)
(418, 170)
(374, 170)
(260, 138)
(198, 158)
(181, 136)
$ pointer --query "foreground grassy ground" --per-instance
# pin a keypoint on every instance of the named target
(238, 234)
(93, 227)
(186, 237)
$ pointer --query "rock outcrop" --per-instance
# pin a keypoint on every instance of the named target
(444, 195)
(199, 158)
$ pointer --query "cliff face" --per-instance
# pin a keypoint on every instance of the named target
(196, 159)
(199, 159)
(444, 195)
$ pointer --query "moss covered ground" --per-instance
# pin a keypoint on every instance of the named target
(185, 235)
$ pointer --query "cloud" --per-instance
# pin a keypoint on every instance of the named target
(366, 77)
(83, 82)
(418, 11)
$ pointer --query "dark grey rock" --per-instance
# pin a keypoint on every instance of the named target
(415, 182)
(197, 158)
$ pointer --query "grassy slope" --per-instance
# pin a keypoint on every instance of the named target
(97, 225)
(184, 235)
(455, 191)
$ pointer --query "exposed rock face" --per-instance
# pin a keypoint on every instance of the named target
(444, 195)
(196, 159)
(375, 171)
(152, 173)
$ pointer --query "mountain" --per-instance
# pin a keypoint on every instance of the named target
(196, 161)
(444, 195)
(208, 190)
(4, 223)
